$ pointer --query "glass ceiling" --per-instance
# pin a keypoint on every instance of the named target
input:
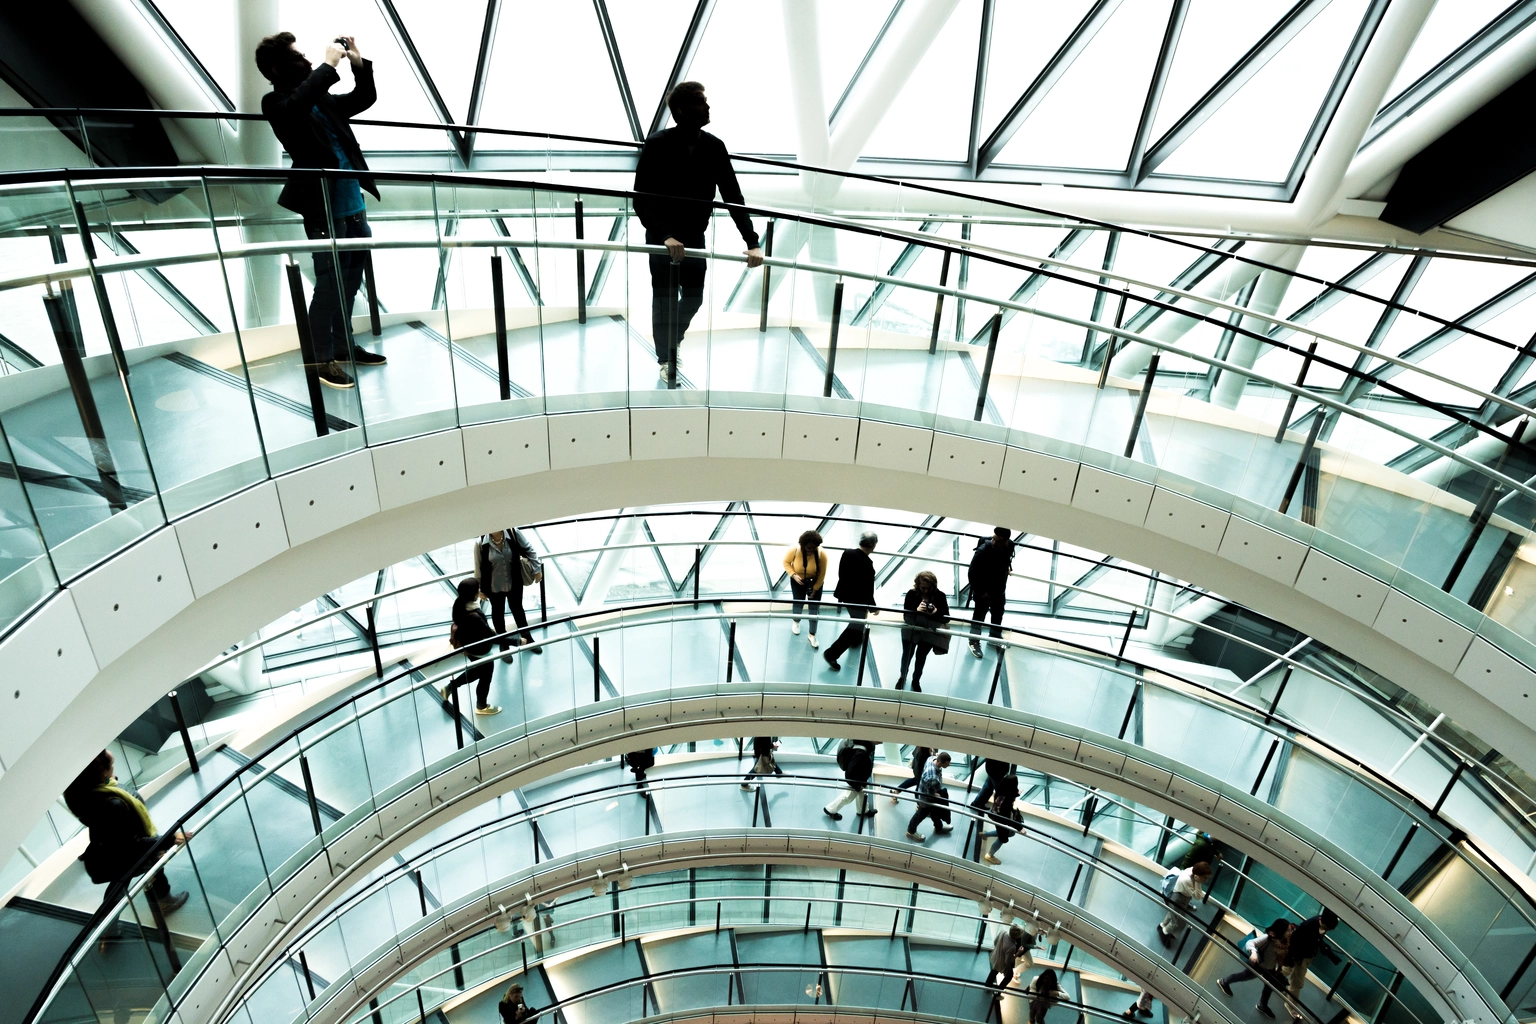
(1203, 96)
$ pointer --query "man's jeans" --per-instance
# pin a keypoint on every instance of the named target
(674, 299)
(330, 312)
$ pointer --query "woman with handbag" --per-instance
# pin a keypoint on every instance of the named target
(1005, 815)
(505, 563)
(763, 762)
(472, 635)
(927, 610)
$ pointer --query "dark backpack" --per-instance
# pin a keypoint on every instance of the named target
(845, 754)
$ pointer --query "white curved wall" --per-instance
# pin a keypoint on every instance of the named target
(113, 642)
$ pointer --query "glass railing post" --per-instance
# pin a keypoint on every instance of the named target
(65, 321)
(762, 317)
(499, 309)
(372, 286)
(581, 268)
(1141, 405)
(986, 372)
(837, 317)
(301, 326)
(938, 303)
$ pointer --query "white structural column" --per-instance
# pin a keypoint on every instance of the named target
(255, 19)
(1221, 285)
(1245, 349)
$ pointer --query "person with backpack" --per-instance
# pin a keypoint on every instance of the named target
(927, 610)
(920, 757)
(1006, 815)
(806, 566)
(856, 592)
(121, 833)
(472, 636)
(932, 799)
(504, 564)
(513, 1009)
(1012, 945)
(763, 762)
(988, 577)
(993, 773)
(640, 762)
(857, 760)
(1306, 943)
(1265, 955)
(1181, 888)
(1042, 992)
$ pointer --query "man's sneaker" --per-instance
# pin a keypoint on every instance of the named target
(747, 786)
(975, 649)
(1164, 937)
(173, 903)
(489, 709)
(915, 837)
(868, 814)
(794, 627)
(362, 357)
(832, 814)
(831, 661)
(332, 375)
(943, 830)
(1221, 983)
(1266, 1011)
(812, 639)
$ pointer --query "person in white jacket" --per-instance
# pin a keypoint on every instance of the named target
(1188, 887)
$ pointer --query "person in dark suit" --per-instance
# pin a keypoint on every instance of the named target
(988, 576)
(472, 636)
(499, 557)
(121, 833)
(856, 592)
(676, 177)
(311, 123)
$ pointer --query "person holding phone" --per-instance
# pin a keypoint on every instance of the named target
(927, 610)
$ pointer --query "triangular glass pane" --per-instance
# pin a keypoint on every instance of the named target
(1024, 38)
(208, 29)
(931, 116)
(847, 28)
(447, 35)
(1256, 134)
(315, 23)
(685, 532)
(1089, 119)
(649, 32)
(1215, 36)
(750, 108)
(550, 73)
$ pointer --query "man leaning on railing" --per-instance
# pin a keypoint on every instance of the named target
(311, 123)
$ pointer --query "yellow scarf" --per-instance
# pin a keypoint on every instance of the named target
(113, 789)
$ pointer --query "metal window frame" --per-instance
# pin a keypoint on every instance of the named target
(692, 39)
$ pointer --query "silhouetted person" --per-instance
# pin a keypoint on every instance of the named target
(677, 175)
(856, 591)
(763, 762)
(1042, 992)
(993, 772)
(121, 833)
(471, 634)
(1306, 943)
(988, 577)
(640, 762)
(312, 125)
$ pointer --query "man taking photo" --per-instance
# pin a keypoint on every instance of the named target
(311, 123)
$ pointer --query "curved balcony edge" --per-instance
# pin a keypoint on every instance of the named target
(332, 863)
(99, 650)
(708, 848)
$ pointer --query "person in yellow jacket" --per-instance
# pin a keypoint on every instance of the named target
(806, 565)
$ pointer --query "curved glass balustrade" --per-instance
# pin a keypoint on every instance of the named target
(449, 873)
(173, 326)
(258, 827)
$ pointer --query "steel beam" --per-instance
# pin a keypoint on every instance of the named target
(440, 109)
(979, 92)
(1154, 96)
(616, 60)
(482, 68)
(685, 53)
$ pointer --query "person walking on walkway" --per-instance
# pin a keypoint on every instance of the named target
(857, 760)
(312, 124)
(926, 610)
(1012, 942)
(1042, 992)
(763, 762)
(806, 566)
(640, 762)
(856, 592)
(988, 577)
(504, 564)
(1265, 955)
(993, 772)
(471, 635)
(1006, 815)
(676, 177)
(121, 832)
(513, 1009)
(920, 757)
(1181, 888)
(1306, 943)
(932, 799)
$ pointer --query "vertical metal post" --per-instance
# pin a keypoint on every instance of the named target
(762, 319)
(1301, 461)
(421, 1007)
(673, 336)
(301, 327)
(1130, 709)
(108, 321)
(597, 669)
(581, 268)
(1481, 513)
(309, 980)
(373, 643)
(1141, 405)
(997, 676)
(309, 794)
(66, 332)
(965, 273)
(1114, 339)
(1290, 403)
(698, 559)
(458, 716)
(373, 294)
(938, 304)
(837, 317)
(499, 301)
(1269, 756)
(863, 654)
(986, 370)
(730, 654)
(181, 727)
(1280, 692)
(543, 613)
